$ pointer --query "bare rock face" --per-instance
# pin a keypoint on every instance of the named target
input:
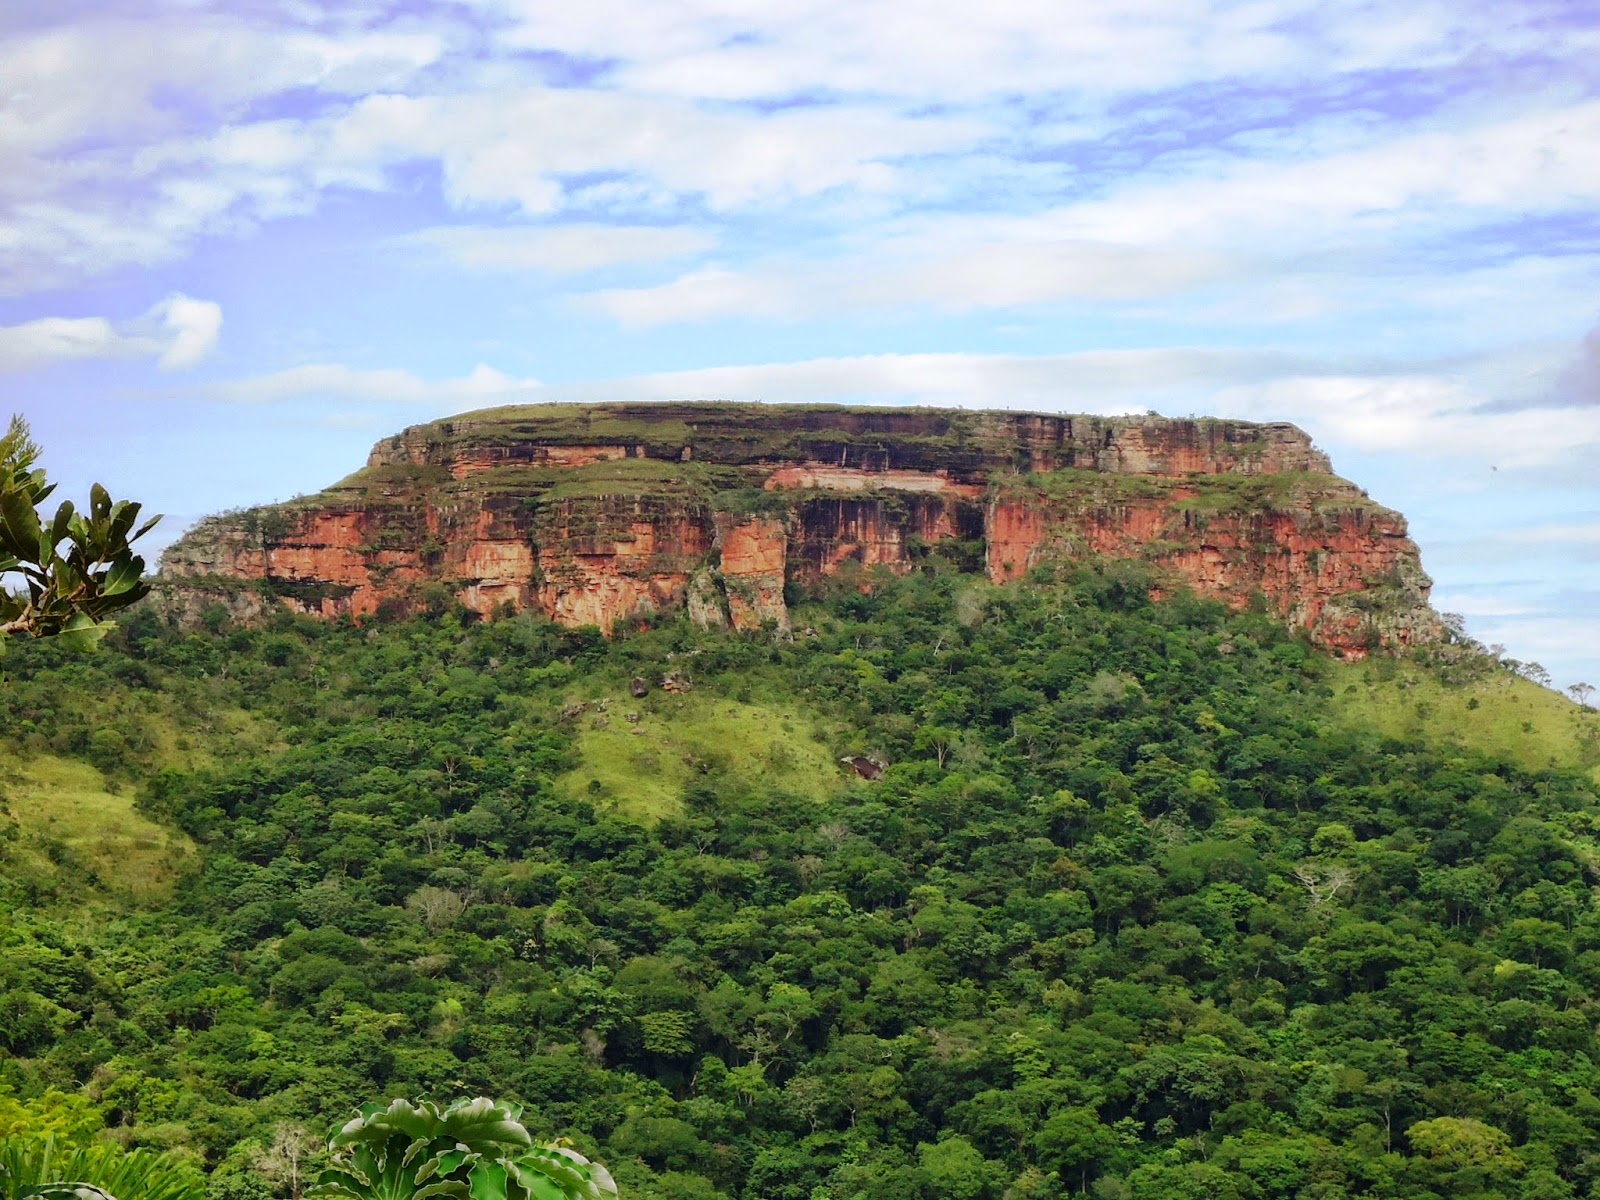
(606, 513)
(755, 556)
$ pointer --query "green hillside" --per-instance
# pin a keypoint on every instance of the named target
(71, 828)
(1151, 901)
(1496, 713)
(641, 758)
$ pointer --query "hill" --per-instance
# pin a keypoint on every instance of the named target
(1138, 905)
(605, 514)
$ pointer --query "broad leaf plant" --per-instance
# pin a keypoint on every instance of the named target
(474, 1149)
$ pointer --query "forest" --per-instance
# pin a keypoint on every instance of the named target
(1135, 905)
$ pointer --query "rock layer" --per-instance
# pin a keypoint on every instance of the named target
(598, 514)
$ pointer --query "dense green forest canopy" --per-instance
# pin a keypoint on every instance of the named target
(1136, 908)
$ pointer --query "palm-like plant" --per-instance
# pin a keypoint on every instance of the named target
(44, 1169)
(471, 1150)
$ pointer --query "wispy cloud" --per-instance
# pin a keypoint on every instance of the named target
(177, 332)
(337, 382)
(557, 249)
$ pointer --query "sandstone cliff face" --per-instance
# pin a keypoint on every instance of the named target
(599, 514)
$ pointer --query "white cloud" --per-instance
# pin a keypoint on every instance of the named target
(952, 266)
(92, 112)
(193, 326)
(485, 146)
(1569, 645)
(1092, 381)
(112, 78)
(334, 381)
(1586, 532)
(124, 141)
(177, 332)
(1426, 416)
(1435, 420)
(1579, 382)
(1107, 381)
(1309, 227)
(536, 149)
(558, 249)
(951, 49)
(52, 339)
(1470, 604)
(1540, 160)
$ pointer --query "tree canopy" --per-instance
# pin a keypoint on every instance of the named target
(1129, 912)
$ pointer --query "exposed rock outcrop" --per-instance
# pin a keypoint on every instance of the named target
(598, 514)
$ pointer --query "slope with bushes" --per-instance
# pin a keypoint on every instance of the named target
(1138, 908)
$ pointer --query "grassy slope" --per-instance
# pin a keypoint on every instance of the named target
(76, 827)
(1528, 724)
(644, 769)
(73, 827)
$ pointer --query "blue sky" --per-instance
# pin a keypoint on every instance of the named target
(239, 242)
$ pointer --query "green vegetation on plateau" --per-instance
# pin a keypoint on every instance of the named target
(1205, 495)
(1143, 906)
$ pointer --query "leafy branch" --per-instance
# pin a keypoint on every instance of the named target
(76, 567)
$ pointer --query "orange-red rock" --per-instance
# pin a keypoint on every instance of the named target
(606, 513)
(755, 558)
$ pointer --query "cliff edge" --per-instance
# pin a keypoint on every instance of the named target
(597, 513)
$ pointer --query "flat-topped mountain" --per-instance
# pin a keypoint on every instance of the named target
(598, 513)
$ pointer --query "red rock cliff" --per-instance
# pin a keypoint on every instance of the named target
(601, 513)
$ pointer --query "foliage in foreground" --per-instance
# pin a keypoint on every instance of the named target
(43, 1168)
(76, 567)
(1127, 914)
(469, 1150)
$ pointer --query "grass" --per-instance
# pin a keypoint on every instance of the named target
(73, 829)
(1211, 494)
(1502, 714)
(643, 770)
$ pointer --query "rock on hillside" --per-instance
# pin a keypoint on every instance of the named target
(597, 513)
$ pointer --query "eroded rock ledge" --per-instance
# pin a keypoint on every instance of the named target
(594, 514)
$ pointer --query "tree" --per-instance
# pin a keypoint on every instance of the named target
(1449, 1147)
(76, 567)
(957, 1170)
(1072, 1142)
(285, 1159)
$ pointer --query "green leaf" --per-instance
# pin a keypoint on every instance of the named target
(19, 525)
(542, 1187)
(123, 576)
(83, 632)
(416, 1148)
(65, 1191)
(576, 1176)
(57, 531)
(481, 1123)
(439, 1164)
(488, 1180)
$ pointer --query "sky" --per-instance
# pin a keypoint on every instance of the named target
(239, 242)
